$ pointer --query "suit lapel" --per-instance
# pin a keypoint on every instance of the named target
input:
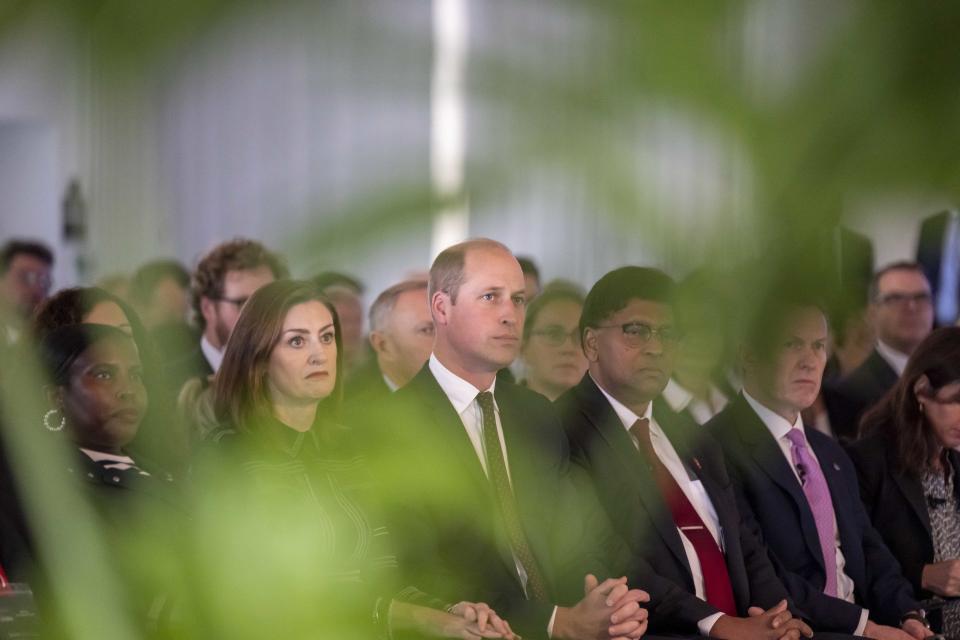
(912, 490)
(604, 420)
(769, 457)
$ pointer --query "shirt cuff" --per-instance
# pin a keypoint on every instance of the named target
(553, 616)
(706, 625)
(864, 618)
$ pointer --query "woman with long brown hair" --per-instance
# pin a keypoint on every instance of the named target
(303, 522)
(908, 468)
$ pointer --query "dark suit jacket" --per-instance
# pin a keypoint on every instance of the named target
(768, 487)
(850, 397)
(442, 513)
(930, 248)
(895, 502)
(627, 489)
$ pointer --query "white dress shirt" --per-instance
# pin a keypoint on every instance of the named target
(680, 400)
(463, 397)
(779, 428)
(213, 355)
(689, 485)
(896, 359)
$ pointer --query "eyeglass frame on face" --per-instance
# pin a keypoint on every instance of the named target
(902, 299)
(557, 337)
(669, 336)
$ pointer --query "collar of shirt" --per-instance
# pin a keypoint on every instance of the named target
(896, 359)
(676, 396)
(460, 392)
(213, 355)
(625, 413)
(390, 385)
(778, 426)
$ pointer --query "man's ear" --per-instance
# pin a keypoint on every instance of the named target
(379, 342)
(590, 348)
(440, 305)
(208, 309)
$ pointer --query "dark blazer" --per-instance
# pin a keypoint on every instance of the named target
(627, 489)
(441, 508)
(850, 397)
(767, 486)
(895, 502)
(930, 248)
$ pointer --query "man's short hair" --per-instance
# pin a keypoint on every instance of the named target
(382, 307)
(239, 254)
(16, 247)
(901, 265)
(616, 289)
(144, 282)
(761, 334)
(446, 272)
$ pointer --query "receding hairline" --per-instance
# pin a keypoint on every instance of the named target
(447, 270)
(386, 302)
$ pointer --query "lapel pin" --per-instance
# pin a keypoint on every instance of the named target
(696, 463)
(836, 466)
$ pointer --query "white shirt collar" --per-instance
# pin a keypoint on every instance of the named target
(390, 385)
(625, 413)
(896, 359)
(460, 392)
(777, 424)
(213, 355)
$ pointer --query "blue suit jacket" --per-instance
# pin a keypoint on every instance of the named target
(767, 486)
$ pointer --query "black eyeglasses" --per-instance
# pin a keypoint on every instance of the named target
(902, 299)
(555, 336)
(638, 333)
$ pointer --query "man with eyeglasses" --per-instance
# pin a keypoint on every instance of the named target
(901, 309)
(661, 479)
(223, 281)
(25, 279)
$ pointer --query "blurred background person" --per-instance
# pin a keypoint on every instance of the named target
(346, 294)
(901, 310)
(160, 291)
(222, 282)
(701, 355)
(938, 253)
(277, 396)
(401, 335)
(25, 281)
(531, 276)
(908, 471)
(551, 353)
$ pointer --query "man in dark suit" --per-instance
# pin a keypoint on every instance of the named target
(474, 470)
(901, 309)
(401, 336)
(802, 488)
(938, 252)
(661, 479)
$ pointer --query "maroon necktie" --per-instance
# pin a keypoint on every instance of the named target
(716, 579)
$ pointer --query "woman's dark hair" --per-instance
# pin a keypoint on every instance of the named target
(70, 306)
(898, 414)
(240, 396)
(550, 294)
(60, 348)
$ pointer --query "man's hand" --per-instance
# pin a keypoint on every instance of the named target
(883, 632)
(777, 623)
(943, 578)
(484, 618)
(916, 629)
(609, 609)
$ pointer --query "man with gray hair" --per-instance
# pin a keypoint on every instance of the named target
(401, 335)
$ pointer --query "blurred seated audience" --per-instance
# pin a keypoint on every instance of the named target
(552, 356)
(160, 292)
(25, 281)
(401, 334)
(908, 469)
(346, 293)
(277, 396)
(531, 277)
(901, 309)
